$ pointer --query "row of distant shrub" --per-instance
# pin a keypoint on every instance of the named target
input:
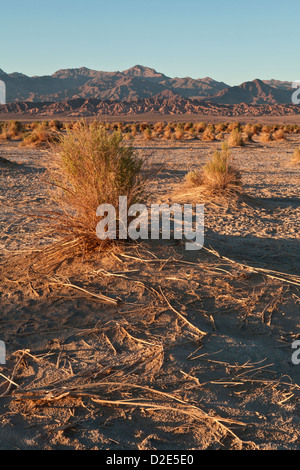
(40, 134)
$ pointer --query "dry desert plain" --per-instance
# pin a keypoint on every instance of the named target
(152, 346)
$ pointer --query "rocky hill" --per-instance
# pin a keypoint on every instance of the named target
(255, 93)
(133, 84)
(170, 105)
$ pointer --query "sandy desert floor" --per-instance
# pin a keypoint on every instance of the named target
(190, 349)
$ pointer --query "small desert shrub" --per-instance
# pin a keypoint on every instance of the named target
(265, 137)
(143, 126)
(248, 132)
(200, 127)
(296, 156)
(194, 178)
(188, 126)
(256, 128)
(168, 134)
(12, 130)
(209, 134)
(92, 167)
(15, 128)
(148, 134)
(191, 133)
(221, 127)
(288, 129)
(179, 133)
(4, 134)
(159, 127)
(235, 138)
(41, 136)
(56, 125)
(233, 126)
(279, 135)
(219, 175)
(268, 129)
(134, 129)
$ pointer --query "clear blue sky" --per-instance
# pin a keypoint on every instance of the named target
(230, 40)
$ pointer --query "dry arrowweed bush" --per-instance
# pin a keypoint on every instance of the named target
(233, 125)
(194, 178)
(200, 127)
(11, 130)
(209, 134)
(219, 175)
(148, 134)
(40, 136)
(235, 138)
(279, 134)
(220, 128)
(179, 133)
(91, 167)
(265, 137)
(168, 134)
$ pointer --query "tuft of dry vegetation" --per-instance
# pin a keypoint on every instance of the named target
(279, 134)
(194, 178)
(209, 134)
(41, 136)
(91, 167)
(219, 175)
(265, 137)
(235, 138)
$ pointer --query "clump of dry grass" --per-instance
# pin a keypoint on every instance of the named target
(11, 130)
(220, 128)
(219, 175)
(91, 167)
(265, 137)
(179, 132)
(194, 178)
(168, 135)
(209, 134)
(235, 138)
(296, 156)
(200, 127)
(41, 136)
(148, 133)
(279, 134)
(233, 126)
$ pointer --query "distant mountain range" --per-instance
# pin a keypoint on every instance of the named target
(139, 83)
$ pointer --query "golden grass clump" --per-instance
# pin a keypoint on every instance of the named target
(148, 134)
(209, 134)
(256, 128)
(219, 175)
(179, 133)
(265, 137)
(41, 136)
(194, 178)
(91, 167)
(200, 127)
(11, 130)
(235, 138)
(168, 135)
(279, 134)
(233, 126)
